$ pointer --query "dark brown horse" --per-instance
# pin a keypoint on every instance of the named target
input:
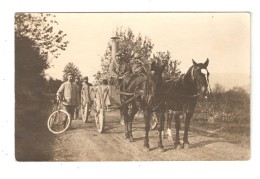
(181, 96)
(139, 92)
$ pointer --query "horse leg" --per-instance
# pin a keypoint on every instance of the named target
(177, 143)
(160, 129)
(130, 128)
(187, 119)
(125, 116)
(147, 117)
(122, 115)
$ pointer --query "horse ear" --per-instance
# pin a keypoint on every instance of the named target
(194, 63)
(206, 63)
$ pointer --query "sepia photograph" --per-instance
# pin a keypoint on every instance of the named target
(132, 86)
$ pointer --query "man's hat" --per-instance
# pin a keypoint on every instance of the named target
(70, 74)
(85, 78)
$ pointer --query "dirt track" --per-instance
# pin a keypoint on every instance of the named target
(84, 143)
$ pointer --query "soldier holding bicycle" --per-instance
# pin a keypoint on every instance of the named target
(68, 94)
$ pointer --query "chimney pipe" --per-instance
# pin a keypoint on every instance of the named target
(115, 46)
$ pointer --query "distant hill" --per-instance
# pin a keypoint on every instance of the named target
(230, 80)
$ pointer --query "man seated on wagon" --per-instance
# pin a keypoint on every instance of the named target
(118, 70)
(138, 66)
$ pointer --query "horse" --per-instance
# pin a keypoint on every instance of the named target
(138, 92)
(181, 97)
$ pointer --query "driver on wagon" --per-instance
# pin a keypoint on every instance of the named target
(118, 69)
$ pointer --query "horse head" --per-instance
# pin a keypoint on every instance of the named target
(200, 77)
(157, 69)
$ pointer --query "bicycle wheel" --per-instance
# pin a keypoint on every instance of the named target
(85, 111)
(153, 121)
(59, 121)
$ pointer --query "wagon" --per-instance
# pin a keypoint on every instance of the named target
(98, 107)
(98, 94)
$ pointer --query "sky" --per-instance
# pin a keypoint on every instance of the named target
(223, 38)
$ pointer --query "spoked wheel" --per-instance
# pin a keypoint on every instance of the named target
(100, 122)
(85, 112)
(59, 121)
(153, 121)
(99, 110)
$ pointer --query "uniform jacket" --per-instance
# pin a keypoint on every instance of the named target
(69, 93)
(85, 94)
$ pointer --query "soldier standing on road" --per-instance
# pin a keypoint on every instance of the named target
(68, 95)
(85, 93)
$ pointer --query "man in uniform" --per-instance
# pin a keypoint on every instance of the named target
(118, 69)
(78, 83)
(85, 92)
(138, 66)
(68, 95)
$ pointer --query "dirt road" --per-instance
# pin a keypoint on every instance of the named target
(84, 143)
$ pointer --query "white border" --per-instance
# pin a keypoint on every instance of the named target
(11, 168)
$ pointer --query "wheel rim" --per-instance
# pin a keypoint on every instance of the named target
(85, 113)
(51, 122)
(99, 118)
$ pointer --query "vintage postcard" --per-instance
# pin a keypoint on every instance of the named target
(132, 86)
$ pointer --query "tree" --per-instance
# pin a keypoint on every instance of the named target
(29, 67)
(129, 45)
(71, 68)
(52, 85)
(36, 40)
(41, 29)
(173, 65)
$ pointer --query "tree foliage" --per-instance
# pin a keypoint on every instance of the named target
(29, 66)
(232, 106)
(37, 40)
(172, 69)
(129, 44)
(42, 29)
(71, 68)
(52, 85)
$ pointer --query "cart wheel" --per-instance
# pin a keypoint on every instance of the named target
(99, 110)
(154, 121)
(85, 112)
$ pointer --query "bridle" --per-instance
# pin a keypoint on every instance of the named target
(203, 71)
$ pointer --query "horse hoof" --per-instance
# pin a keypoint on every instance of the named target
(186, 145)
(161, 149)
(132, 139)
(177, 146)
(146, 149)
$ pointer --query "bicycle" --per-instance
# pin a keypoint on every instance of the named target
(59, 120)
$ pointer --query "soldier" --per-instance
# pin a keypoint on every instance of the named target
(68, 95)
(118, 69)
(138, 66)
(85, 93)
